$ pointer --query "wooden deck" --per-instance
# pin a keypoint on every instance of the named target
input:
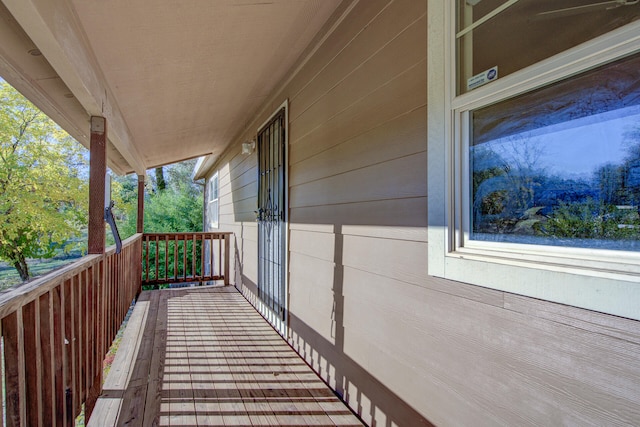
(205, 357)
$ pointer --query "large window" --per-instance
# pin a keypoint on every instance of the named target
(534, 148)
(559, 165)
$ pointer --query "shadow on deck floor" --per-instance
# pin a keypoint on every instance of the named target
(205, 357)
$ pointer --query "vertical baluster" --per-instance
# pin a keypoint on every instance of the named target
(33, 381)
(57, 309)
(84, 357)
(98, 304)
(212, 271)
(78, 342)
(175, 257)
(157, 256)
(226, 259)
(202, 254)
(13, 359)
(47, 358)
(184, 255)
(67, 299)
(219, 238)
(72, 336)
(90, 329)
(2, 372)
(146, 265)
(166, 257)
(193, 255)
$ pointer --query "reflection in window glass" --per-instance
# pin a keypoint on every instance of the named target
(561, 165)
(509, 35)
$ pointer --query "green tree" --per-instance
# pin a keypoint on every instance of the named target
(173, 202)
(43, 198)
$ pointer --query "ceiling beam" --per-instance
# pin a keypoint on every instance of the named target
(52, 26)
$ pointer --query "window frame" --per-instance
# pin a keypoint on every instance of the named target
(214, 178)
(589, 278)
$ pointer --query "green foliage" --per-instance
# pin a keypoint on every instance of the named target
(590, 220)
(177, 208)
(43, 199)
(172, 212)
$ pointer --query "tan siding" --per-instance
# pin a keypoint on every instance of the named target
(400, 137)
(401, 95)
(358, 82)
(404, 348)
(388, 180)
(407, 214)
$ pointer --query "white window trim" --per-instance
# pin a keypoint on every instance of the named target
(215, 177)
(588, 280)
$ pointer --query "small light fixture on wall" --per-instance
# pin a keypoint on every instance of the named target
(248, 147)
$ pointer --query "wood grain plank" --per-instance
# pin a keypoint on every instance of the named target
(76, 343)
(153, 401)
(68, 363)
(85, 333)
(10, 334)
(215, 361)
(47, 357)
(203, 358)
(57, 307)
(177, 379)
(33, 363)
(139, 337)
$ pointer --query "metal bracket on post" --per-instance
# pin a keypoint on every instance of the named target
(108, 214)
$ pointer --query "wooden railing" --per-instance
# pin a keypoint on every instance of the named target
(56, 332)
(185, 257)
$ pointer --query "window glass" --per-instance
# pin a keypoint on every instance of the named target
(560, 165)
(498, 37)
(213, 205)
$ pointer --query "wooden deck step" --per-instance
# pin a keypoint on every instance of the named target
(205, 357)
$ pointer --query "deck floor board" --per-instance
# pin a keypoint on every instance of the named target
(205, 357)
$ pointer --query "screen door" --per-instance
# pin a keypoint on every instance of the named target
(272, 205)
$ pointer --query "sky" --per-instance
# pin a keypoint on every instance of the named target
(576, 148)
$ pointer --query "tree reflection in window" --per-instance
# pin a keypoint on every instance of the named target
(561, 165)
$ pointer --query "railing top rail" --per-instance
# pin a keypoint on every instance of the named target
(12, 299)
(190, 234)
(111, 250)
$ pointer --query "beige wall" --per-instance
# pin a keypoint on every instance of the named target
(401, 347)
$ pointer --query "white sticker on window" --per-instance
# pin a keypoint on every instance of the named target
(483, 78)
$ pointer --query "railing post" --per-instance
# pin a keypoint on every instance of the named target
(140, 220)
(226, 259)
(97, 173)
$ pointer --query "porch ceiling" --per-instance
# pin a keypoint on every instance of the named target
(174, 79)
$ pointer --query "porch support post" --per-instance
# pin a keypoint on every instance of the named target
(97, 174)
(140, 224)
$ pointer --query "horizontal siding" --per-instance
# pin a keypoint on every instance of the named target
(402, 347)
(399, 96)
(388, 180)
